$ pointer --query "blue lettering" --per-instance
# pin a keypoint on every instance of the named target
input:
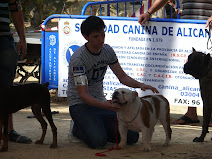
(77, 26)
(142, 30)
(170, 31)
(137, 29)
(148, 29)
(154, 31)
(190, 32)
(130, 29)
(164, 30)
(184, 32)
(179, 32)
(65, 85)
(194, 32)
(124, 29)
(201, 33)
(110, 29)
(116, 28)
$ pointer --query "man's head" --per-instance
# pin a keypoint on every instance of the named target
(92, 30)
(92, 24)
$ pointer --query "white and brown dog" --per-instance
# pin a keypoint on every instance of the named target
(141, 115)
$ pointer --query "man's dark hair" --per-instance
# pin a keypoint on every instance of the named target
(92, 24)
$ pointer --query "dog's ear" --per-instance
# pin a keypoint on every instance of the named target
(193, 50)
(135, 94)
(207, 59)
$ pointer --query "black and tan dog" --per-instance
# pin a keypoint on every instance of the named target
(199, 66)
(15, 98)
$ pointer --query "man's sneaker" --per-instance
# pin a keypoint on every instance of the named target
(16, 137)
(70, 134)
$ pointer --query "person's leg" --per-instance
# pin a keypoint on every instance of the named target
(210, 124)
(10, 120)
(111, 126)
(192, 113)
(8, 64)
(189, 118)
(15, 136)
(88, 127)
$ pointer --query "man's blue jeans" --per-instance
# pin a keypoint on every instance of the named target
(96, 126)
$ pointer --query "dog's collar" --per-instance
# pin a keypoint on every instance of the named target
(139, 109)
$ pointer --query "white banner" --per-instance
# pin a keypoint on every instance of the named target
(153, 54)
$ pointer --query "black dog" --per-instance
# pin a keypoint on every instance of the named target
(199, 66)
(18, 97)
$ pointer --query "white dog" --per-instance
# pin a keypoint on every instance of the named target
(141, 115)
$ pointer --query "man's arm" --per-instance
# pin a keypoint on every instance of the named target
(209, 22)
(17, 17)
(128, 81)
(155, 7)
(90, 100)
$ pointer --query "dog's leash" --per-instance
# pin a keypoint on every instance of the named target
(101, 154)
(209, 38)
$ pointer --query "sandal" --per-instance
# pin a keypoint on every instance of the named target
(16, 137)
(186, 120)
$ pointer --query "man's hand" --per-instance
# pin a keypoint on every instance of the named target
(22, 49)
(209, 22)
(112, 105)
(143, 18)
(145, 87)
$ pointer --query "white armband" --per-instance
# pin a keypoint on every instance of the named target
(80, 80)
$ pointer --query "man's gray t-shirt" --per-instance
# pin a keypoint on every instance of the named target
(94, 66)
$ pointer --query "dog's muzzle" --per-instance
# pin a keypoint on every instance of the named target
(197, 65)
(115, 96)
(188, 70)
(196, 72)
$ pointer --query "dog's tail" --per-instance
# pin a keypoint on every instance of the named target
(46, 84)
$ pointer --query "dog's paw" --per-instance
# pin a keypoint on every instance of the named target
(146, 148)
(4, 148)
(166, 144)
(53, 146)
(198, 139)
(39, 142)
(122, 145)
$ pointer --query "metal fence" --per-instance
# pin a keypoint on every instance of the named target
(129, 8)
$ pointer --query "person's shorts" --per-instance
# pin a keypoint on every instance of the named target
(8, 60)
